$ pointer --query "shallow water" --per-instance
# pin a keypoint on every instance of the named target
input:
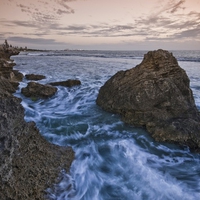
(114, 161)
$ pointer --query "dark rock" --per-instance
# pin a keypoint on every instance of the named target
(6, 86)
(34, 77)
(67, 83)
(155, 94)
(18, 76)
(6, 68)
(37, 90)
(28, 163)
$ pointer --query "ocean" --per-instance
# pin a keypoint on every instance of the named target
(113, 160)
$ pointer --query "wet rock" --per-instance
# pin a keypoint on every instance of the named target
(37, 90)
(67, 83)
(155, 94)
(34, 77)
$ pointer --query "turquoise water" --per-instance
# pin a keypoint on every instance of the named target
(114, 161)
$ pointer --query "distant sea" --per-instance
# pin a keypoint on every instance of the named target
(114, 161)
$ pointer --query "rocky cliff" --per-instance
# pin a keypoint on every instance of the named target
(156, 95)
(28, 163)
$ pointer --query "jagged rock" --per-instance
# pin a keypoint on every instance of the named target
(6, 86)
(28, 163)
(6, 68)
(155, 94)
(67, 83)
(34, 77)
(37, 90)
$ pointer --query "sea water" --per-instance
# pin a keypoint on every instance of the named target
(113, 160)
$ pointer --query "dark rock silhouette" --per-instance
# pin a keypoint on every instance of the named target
(28, 163)
(67, 83)
(37, 90)
(155, 94)
(34, 77)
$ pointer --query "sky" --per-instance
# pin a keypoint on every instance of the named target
(101, 24)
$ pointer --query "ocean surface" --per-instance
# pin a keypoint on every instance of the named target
(113, 160)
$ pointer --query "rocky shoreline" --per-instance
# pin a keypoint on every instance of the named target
(28, 163)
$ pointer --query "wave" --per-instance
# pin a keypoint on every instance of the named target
(184, 56)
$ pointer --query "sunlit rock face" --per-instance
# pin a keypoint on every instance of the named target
(155, 94)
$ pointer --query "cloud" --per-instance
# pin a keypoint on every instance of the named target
(177, 6)
(24, 8)
(28, 40)
(43, 11)
(167, 23)
(63, 4)
(190, 33)
(14, 23)
(172, 6)
(60, 12)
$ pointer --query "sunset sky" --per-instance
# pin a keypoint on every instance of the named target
(101, 24)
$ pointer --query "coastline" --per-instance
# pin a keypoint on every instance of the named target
(29, 163)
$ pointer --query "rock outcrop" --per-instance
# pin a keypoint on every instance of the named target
(67, 83)
(28, 163)
(34, 77)
(6, 66)
(155, 94)
(36, 90)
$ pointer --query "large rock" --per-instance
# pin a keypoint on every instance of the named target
(36, 90)
(155, 94)
(28, 163)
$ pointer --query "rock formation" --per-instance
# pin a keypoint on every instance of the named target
(36, 90)
(6, 66)
(34, 77)
(155, 94)
(28, 163)
(67, 83)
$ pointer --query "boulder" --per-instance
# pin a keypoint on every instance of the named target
(36, 90)
(67, 83)
(156, 95)
(34, 77)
